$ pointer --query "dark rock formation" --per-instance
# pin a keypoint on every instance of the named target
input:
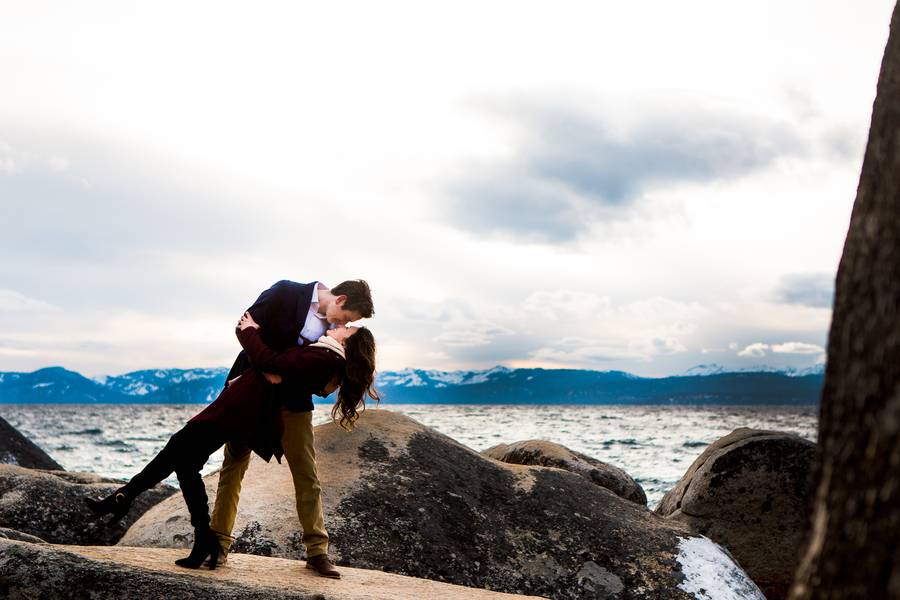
(403, 498)
(29, 571)
(748, 492)
(853, 545)
(16, 449)
(50, 505)
(549, 454)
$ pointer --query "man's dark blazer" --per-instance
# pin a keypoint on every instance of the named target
(281, 312)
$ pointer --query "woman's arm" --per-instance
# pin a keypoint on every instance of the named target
(294, 362)
(246, 321)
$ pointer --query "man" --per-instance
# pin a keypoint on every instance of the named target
(289, 314)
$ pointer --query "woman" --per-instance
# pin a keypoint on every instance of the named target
(246, 412)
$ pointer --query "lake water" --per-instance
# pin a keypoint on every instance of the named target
(653, 444)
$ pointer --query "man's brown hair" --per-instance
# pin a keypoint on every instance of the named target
(359, 297)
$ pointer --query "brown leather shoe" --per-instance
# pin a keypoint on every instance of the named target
(321, 565)
(223, 557)
(222, 561)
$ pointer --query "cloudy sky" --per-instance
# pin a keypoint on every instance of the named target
(643, 186)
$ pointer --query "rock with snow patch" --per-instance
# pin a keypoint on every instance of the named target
(403, 498)
(550, 454)
(748, 491)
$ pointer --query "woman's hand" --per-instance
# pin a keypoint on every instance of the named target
(247, 321)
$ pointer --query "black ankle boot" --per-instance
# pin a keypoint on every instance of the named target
(116, 504)
(206, 544)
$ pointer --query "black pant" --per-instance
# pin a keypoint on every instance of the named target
(185, 454)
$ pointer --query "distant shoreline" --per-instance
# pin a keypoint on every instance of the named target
(322, 404)
(496, 386)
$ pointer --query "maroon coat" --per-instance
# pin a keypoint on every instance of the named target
(248, 409)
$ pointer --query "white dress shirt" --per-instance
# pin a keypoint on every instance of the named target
(316, 325)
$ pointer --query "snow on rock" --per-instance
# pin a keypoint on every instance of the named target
(711, 574)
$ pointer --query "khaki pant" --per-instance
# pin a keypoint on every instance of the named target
(300, 452)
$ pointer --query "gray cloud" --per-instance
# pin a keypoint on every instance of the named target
(815, 290)
(497, 201)
(573, 169)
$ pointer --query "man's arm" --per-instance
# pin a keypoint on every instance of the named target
(270, 302)
(270, 309)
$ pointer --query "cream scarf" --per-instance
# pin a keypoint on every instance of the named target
(331, 344)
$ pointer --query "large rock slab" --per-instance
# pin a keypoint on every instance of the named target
(404, 498)
(50, 505)
(550, 454)
(748, 491)
(30, 571)
(16, 449)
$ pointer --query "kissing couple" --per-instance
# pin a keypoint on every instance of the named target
(296, 343)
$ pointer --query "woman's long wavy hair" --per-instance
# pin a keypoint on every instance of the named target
(359, 378)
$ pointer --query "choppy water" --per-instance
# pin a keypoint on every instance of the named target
(654, 444)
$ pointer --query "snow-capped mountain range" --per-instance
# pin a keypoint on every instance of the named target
(165, 386)
(716, 369)
(703, 384)
(437, 379)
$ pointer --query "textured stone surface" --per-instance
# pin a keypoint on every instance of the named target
(749, 491)
(29, 571)
(404, 498)
(50, 505)
(550, 454)
(16, 449)
(12, 534)
(855, 523)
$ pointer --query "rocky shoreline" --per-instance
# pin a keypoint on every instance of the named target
(532, 518)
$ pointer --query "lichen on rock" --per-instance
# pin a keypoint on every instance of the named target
(50, 504)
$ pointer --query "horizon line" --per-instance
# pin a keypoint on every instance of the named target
(760, 368)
